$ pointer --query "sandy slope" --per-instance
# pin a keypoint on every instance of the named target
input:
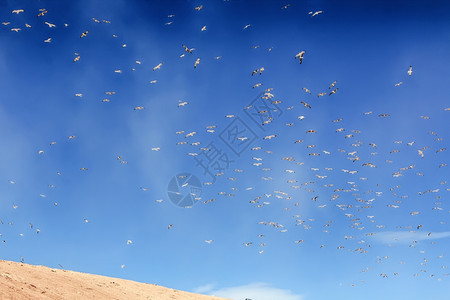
(23, 281)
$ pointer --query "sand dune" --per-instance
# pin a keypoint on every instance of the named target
(23, 281)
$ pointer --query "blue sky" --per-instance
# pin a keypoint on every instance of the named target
(366, 47)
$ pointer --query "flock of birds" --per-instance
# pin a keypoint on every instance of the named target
(355, 149)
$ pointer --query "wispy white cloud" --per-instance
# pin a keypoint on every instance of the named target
(204, 289)
(254, 291)
(408, 236)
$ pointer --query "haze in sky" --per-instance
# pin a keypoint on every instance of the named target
(244, 149)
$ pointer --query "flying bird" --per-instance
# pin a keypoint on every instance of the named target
(305, 104)
(182, 103)
(333, 91)
(300, 56)
(410, 71)
(187, 49)
(313, 14)
(84, 34)
(42, 12)
(190, 134)
(260, 70)
(158, 67)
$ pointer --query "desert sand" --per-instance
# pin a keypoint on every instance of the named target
(24, 281)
